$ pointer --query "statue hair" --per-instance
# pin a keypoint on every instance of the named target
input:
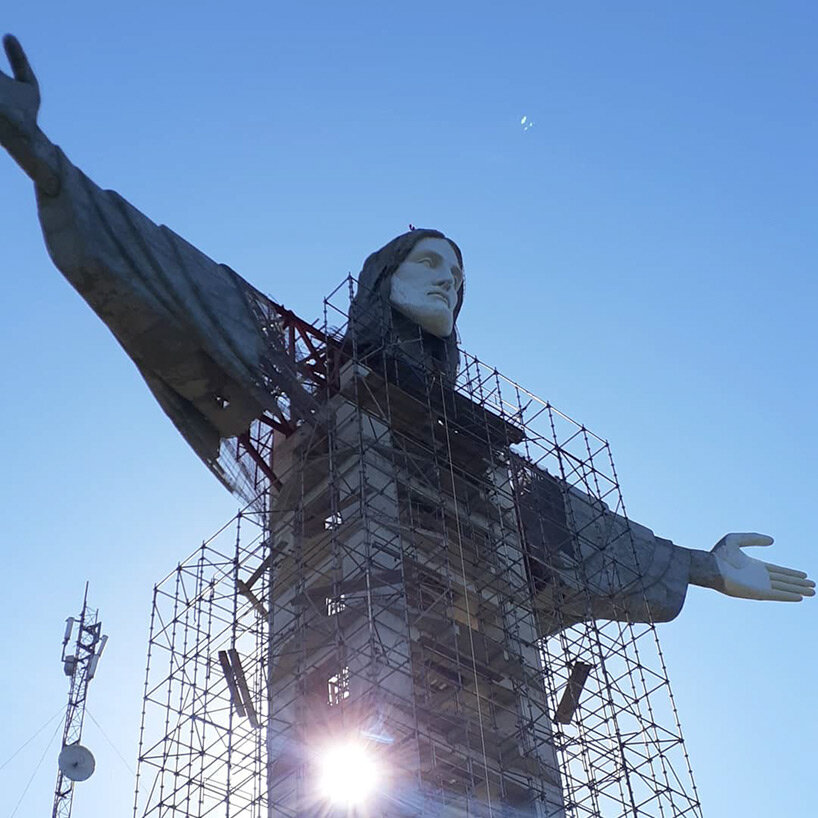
(375, 326)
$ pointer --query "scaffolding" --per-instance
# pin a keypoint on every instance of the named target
(441, 569)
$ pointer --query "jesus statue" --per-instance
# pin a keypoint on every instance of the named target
(194, 329)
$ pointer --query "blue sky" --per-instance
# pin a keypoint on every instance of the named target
(643, 256)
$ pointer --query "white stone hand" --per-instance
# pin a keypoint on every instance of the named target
(750, 578)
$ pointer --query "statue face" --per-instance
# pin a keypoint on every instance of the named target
(426, 285)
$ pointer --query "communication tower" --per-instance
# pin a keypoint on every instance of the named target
(82, 648)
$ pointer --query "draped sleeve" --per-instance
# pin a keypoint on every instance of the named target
(588, 562)
(194, 328)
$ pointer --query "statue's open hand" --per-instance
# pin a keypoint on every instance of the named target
(750, 578)
(19, 96)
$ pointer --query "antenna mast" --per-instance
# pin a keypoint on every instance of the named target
(76, 763)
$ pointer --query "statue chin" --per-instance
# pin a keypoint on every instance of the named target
(431, 318)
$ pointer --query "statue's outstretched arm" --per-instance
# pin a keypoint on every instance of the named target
(613, 568)
(195, 329)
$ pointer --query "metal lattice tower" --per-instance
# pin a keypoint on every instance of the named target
(400, 576)
(76, 763)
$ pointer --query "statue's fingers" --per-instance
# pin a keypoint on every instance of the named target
(784, 596)
(792, 588)
(806, 585)
(751, 539)
(795, 578)
(791, 584)
(20, 65)
(787, 572)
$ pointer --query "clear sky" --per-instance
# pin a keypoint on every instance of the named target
(643, 256)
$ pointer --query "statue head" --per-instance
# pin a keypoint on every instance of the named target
(426, 286)
(409, 296)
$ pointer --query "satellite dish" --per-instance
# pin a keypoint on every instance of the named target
(76, 762)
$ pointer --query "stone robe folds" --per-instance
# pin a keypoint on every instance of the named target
(194, 328)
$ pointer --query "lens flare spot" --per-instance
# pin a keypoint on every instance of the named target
(348, 774)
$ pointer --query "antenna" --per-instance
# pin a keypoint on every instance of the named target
(80, 659)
